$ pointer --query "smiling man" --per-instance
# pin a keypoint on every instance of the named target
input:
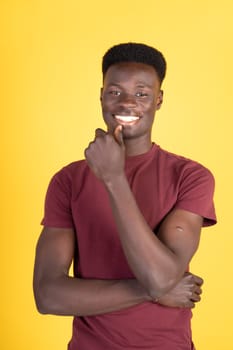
(130, 217)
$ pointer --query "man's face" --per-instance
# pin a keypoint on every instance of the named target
(130, 96)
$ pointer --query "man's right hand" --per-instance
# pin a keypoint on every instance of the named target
(185, 294)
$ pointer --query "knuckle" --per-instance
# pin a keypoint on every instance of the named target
(86, 151)
(190, 293)
(90, 145)
(108, 137)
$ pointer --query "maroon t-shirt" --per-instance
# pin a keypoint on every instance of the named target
(160, 182)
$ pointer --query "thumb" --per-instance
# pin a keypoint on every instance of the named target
(118, 135)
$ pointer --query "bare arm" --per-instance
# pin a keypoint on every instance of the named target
(157, 262)
(58, 293)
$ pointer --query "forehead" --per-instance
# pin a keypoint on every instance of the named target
(133, 72)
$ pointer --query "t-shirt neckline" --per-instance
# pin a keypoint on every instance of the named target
(142, 156)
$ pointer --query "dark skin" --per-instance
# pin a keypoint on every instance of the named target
(158, 263)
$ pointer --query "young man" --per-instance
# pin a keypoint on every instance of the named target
(130, 217)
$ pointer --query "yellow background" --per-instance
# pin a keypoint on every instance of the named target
(50, 73)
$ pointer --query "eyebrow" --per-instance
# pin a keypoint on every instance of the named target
(113, 84)
(139, 85)
(142, 85)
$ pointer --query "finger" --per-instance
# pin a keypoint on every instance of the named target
(118, 135)
(188, 304)
(195, 298)
(87, 151)
(198, 280)
(195, 288)
(198, 290)
(192, 305)
(100, 132)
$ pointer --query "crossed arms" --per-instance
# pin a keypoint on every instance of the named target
(158, 262)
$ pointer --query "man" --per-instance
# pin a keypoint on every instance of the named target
(130, 217)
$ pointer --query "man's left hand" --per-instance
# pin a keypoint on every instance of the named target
(185, 294)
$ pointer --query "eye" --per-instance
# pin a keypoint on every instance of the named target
(141, 94)
(114, 92)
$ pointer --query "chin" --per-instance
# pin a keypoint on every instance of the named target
(130, 134)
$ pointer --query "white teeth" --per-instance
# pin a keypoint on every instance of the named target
(126, 118)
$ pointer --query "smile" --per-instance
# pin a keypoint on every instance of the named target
(126, 119)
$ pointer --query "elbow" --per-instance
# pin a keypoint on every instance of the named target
(161, 284)
(157, 290)
(43, 300)
(41, 308)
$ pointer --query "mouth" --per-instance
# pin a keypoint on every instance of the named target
(126, 119)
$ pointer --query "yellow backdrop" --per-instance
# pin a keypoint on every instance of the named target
(50, 62)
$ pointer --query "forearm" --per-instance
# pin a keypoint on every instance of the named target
(154, 265)
(79, 297)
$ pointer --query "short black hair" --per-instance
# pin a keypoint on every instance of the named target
(135, 52)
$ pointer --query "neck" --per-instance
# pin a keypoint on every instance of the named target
(134, 147)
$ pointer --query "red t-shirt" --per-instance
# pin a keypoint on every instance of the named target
(160, 182)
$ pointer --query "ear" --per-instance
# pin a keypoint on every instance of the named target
(159, 100)
(101, 94)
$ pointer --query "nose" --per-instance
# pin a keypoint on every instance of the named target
(128, 100)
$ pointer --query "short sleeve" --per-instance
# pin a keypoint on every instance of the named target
(57, 209)
(196, 193)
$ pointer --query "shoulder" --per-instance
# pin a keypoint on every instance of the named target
(194, 184)
(71, 170)
(69, 177)
(183, 167)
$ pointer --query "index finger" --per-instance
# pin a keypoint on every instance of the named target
(100, 132)
(198, 280)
